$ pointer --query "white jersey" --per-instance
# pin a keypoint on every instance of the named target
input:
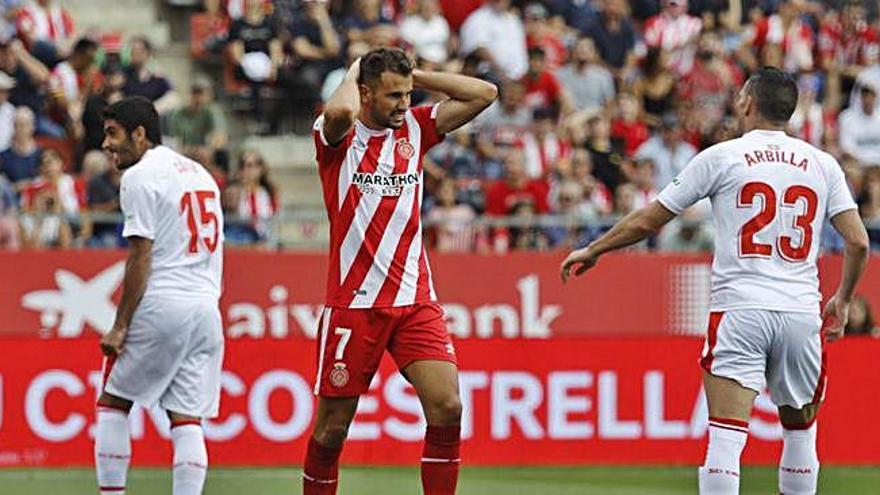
(771, 195)
(173, 201)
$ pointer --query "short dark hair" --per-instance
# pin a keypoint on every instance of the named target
(148, 46)
(775, 94)
(84, 45)
(134, 112)
(381, 60)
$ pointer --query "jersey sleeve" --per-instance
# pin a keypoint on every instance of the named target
(138, 208)
(426, 116)
(695, 182)
(840, 198)
(328, 154)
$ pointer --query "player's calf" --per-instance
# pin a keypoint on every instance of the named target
(190, 463)
(321, 466)
(112, 445)
(719, 474)
(799, 464)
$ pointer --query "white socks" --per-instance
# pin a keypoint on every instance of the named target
(190, 459)
(112, 450)
(799, 466)
(719, 475)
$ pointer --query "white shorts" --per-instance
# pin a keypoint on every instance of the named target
(781, 351)
(172, 356)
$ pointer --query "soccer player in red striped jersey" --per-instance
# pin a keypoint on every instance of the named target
(370, 146)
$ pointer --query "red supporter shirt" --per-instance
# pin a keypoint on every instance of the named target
(372, 183)
(502, 197)
(633, 134)
(542, 91)
(860, 46)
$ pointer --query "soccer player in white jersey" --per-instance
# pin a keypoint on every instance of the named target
(166, 344)
(770, 196)
(370, 145)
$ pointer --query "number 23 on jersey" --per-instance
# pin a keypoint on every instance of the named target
(188, 203)
(788, 250)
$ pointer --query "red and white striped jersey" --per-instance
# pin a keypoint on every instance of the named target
(45, 24)
(372, 184)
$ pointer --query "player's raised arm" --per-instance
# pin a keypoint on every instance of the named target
(635, 227)
(137, 269)
(855, 258)
(468, 96)
(343, 106)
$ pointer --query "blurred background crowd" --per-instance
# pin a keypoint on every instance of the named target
(602, 103)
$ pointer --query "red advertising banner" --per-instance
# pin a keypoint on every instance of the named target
(278, 295)
(558, 401)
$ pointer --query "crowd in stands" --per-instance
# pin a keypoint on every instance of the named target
(58, 188)
(602, 103)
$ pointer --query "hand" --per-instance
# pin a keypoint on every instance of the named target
(584, 257)
(834, 317)
(112, 343)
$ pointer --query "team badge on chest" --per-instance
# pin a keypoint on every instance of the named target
(339, 375)
(404, 149)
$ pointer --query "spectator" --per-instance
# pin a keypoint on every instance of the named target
(72, 82)
(516, 188)
(503, 125)
(656, 87)
(598, 199)
(354, 51)
(577, 13)
(9, 238)
(427, 31)
(573, 213)
(30, 75)
(316, 48)
(368, 24)
(668, 151)
(708, 87)
(7, 111)
(606, 154)
(847, 44)
(102, 191)
(200, 127)
(641, 175)
(142, 80)
(47, 29)
(257, 53)
(62, 198)
(629, 126)
(543, 89)
(786, 31)
(93, 113)
(544, 150)
(861, 319)
(808, 120)
(498, 36)
(869, 200)
(451, 222)
(20, 162)
(614, 35)
(542, 33)
(675, 32)
(525, 233)
(456, 158)
(860, 128)
(9, 11)
(585, 79)
(252, 200)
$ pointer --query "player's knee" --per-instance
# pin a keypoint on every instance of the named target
(332, 434)
(113, 402)
(446, 411)
(794, 419)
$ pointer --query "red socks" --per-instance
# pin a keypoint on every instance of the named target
(440, 460)
(321, 470)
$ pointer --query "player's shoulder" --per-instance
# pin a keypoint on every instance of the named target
(721, 152)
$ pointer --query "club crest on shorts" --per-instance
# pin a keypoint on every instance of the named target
(339, 375)
(404, 148)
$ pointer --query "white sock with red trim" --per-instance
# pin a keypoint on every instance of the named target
(719, 475)
(112, 450)
(190, 459)
(799, 465)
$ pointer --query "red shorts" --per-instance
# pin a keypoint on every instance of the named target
(351, 343)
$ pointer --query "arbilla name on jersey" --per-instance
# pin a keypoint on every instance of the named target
(775, 155)
(385, 185)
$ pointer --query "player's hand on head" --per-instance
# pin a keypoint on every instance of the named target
(581, 260)
(834, 317)
(113, 341)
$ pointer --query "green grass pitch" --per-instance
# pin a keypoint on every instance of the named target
(473, 481)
